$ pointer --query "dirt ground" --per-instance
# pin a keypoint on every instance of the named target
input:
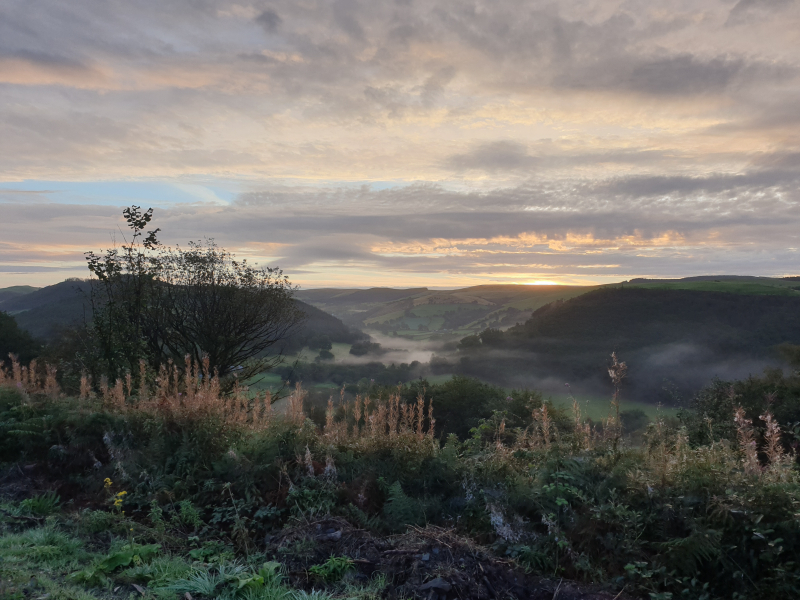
(430, 563)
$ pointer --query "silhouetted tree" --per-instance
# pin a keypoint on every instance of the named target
(14, 340)
(157, 303)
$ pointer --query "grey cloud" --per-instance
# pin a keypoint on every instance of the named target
(745, 9)
(45, 59)
(361, 219)
(750, 197)
(788, 161)
(641, 186)
(32, 269)
(493, 156)
(305, 66)
(346, 17)
(269, 20)
(509, 155)
(684, 74)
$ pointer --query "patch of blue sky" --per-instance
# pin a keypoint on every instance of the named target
(119, 193)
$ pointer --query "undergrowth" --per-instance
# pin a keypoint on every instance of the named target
(178, 490)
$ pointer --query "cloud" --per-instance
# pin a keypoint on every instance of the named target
(754, 9)
(584, 136)
(269, 20)
(493, 156)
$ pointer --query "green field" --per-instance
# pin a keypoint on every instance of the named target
(386, 317)
(774, 287)
(435, 310)
(559, 293)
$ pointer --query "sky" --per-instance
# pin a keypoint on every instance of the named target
(438, 143)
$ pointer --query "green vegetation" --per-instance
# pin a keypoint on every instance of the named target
(418, 313)
(160, 304)
(674, 339)
(15, 340)
(731, 285)
(177, 490)
(498, 306)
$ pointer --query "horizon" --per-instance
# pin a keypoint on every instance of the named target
(441, 144)
(444, 289)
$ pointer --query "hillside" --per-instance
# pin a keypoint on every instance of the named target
(684, 336)
(733, 284)
(419, 313)
(12, 292)
(42, 312)
(422, 314)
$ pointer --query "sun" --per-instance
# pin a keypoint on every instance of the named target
(542, 282)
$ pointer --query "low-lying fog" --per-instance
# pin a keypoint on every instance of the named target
(394, 350)
(663, 373)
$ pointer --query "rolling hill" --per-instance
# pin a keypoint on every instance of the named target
(419, 313)
(12, 292)
(43, 311)
(685, 336)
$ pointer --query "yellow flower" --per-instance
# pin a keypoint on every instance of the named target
(107, 483)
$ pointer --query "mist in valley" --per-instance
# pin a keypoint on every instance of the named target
(668, 374)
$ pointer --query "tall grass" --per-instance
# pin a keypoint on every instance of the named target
(559, 496)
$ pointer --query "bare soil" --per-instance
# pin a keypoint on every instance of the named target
(430, 564)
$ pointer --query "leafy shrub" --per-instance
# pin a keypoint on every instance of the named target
(232, 580)
(400, 510)
(99, 521)
(311, 498)
(42, 505)
(333, 569)
(99, 572)
(187, 515)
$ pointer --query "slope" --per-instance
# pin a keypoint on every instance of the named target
(419, 312)
(8, 293)
(685, 336)
(47, 310)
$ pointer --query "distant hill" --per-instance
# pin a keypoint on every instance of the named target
(420, 313)
(335, 296)
(686, 336)
(10, 293)
(43, 311)
(318, 323)
(732, 284)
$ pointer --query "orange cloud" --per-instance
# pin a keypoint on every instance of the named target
(571, 242)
